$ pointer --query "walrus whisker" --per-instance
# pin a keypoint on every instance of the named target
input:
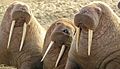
(60, 55)
(10, 34)
(23, 36)
(90, 35)
(77, 38)
(50, 45)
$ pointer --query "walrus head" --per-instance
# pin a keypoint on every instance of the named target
(62, 35)
(20, 17)
(87, 20)
(60, 32)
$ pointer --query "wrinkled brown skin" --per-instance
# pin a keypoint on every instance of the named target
(56, 34)
(105, 49)
(30, 55)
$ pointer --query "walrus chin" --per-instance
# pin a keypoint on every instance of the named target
(87, 20)
(20, 18)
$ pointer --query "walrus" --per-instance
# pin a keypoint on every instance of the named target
(98, 45)
(57, 43)
(21, 38)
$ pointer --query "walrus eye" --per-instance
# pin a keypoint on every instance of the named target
(66, 31)
(98, 10)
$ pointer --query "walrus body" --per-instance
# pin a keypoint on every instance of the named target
(30, 55)
(105, 46)
(61, 33)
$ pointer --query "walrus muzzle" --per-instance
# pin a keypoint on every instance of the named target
(63, 38)
(20, 18)
(85, 23)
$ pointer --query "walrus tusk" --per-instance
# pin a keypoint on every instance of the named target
(50, 45)
(10, 34)
(23, 36)
(78, 38)
(60, 55)
(90, 35)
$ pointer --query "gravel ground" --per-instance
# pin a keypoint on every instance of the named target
(47, 11)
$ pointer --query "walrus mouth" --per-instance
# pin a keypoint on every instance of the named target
(59, 56)
(23, 22)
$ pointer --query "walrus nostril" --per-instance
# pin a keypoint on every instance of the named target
(85, 11)
(23, 9)
(66, 31)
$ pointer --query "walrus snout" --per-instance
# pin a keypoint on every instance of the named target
(21, 17)
(20, 13)
(87, 18)
(59, 33)
(61, 38)
(84, 21)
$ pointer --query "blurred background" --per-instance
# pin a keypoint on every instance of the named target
(48, 11)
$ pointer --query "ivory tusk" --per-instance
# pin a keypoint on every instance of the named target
(10, 34)
(77, 38)
(90, 35)
(60, 55)
(50, 45)
(23, 36)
